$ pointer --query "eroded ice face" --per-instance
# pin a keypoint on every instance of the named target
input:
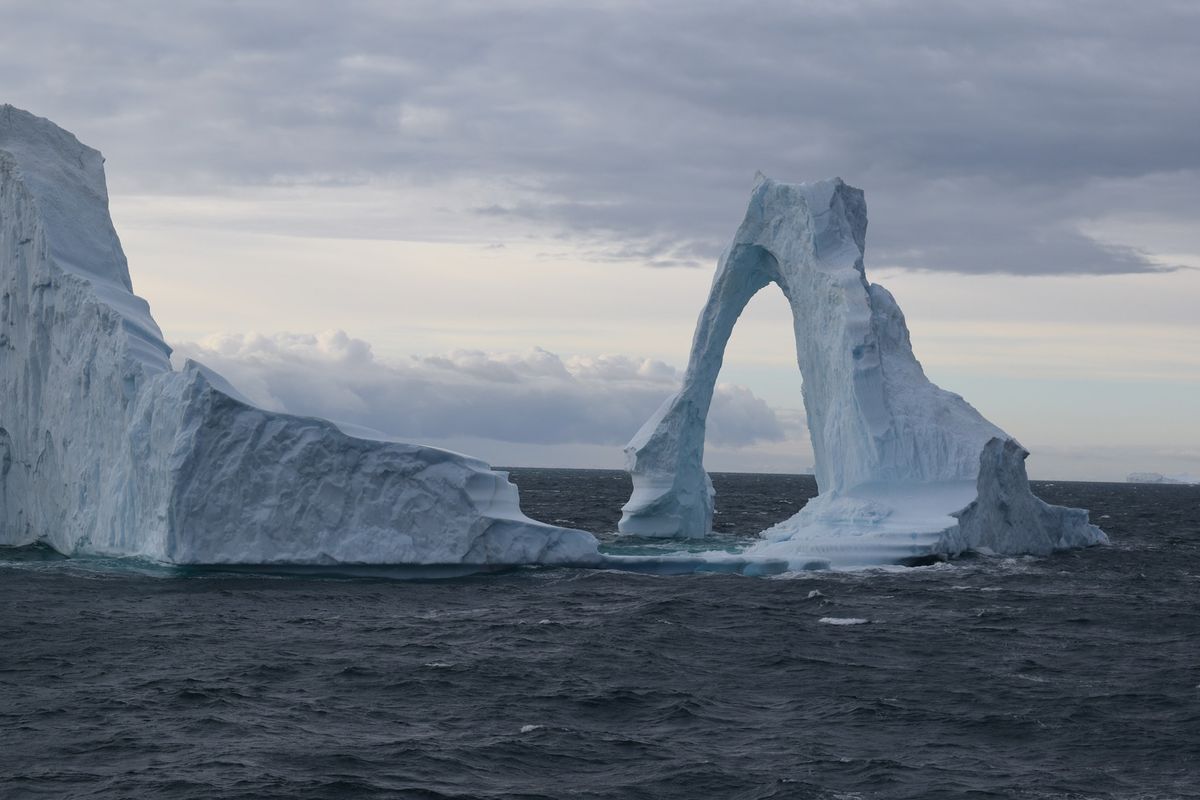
(905, 469)
(108, 450)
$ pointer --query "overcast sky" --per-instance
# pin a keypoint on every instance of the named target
(491, 225)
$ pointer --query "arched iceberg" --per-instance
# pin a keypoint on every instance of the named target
(104, 448)
(905, 470)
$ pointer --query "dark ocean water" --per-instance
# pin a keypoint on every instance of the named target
(1073, 676)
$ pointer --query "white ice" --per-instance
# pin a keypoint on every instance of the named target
(105, 449)
(906, 471)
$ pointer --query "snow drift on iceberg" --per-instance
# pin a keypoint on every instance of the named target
(905, 470)
(104, 448)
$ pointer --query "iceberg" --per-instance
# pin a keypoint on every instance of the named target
(1157, 477)
(106, 449)
(906, 471)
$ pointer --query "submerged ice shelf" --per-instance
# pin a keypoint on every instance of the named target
(905, 470)
(105, 449)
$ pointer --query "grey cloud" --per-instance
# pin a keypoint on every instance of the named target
(635, 128)
(964, 226)
(531, 398)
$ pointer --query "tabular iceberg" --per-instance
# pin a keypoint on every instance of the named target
(1158, 477)
(105, 449)
(905, 470)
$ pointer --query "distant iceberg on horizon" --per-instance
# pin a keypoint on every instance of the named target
(105, 449)
(906, 471)
(1157, 477)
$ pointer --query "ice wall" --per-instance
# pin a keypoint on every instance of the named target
(905, 469)
(105, 449)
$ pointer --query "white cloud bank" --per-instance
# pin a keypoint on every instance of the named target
(534, 397)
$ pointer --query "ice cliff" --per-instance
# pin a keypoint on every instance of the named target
(104, 448)
(905, 470)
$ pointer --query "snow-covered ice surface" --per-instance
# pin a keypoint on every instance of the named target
(906, 470)
(105, 449)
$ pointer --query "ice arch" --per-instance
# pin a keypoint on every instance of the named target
(904, 469)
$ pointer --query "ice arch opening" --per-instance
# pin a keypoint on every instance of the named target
(903, 468)
(756, 421)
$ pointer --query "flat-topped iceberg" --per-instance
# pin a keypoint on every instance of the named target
(105, 449)
(905, 470)
(1158, 477)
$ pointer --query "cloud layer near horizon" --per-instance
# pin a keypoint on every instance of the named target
(527, 398)
(985, 134)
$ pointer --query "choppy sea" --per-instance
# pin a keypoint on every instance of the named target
(1071, 676)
